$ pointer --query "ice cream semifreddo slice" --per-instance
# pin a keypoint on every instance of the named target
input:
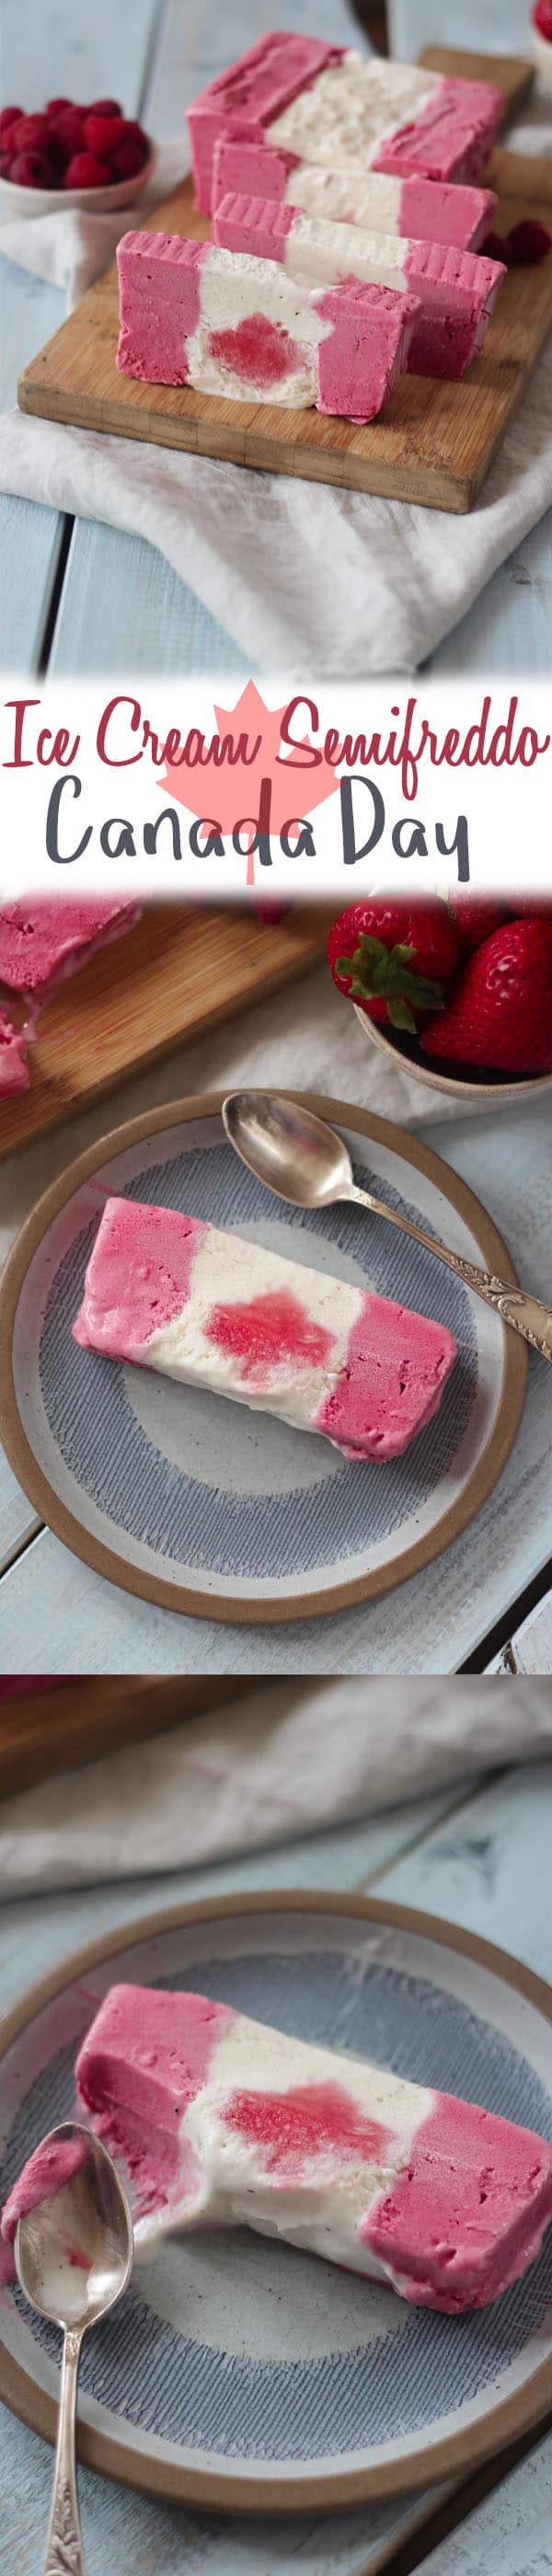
(220, 2119)
(456, 292)
(408, 209)
(331, 105)
(192, 314)
(43, 939)
(206, 1307)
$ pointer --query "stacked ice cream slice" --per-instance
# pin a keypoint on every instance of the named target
(346, 217)
(42, 942)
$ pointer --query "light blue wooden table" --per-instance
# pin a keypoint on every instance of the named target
(480, 1857)
(79, 597)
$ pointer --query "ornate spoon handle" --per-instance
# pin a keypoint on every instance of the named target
(524, 1313)
(64, 2545)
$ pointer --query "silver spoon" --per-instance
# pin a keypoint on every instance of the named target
(73, 2255)
(301, 1159)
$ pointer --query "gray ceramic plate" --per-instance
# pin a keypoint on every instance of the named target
(199, 1504)
(241, 2373)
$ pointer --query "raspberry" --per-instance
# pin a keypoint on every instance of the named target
(132, 132)
(104, 107)
(542, 18)
(31, 170)
(129, 159)
(9, 116)
(528, 243)
(84, 171)
(54, 106)
(68, 129)
(29, 134)
(5, 165)
(102, 134)
(496, 247)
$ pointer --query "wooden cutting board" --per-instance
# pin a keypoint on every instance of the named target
(175, 975)
(434, 443)
(78, 1720)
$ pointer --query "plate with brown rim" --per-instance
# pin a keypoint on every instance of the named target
(205, 1506)
(241, 2373)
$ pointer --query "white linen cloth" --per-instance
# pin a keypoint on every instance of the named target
(301, 575)
(290, 1759)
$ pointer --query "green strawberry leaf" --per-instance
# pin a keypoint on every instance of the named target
(377, 973)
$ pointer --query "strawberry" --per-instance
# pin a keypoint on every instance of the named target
(394, 957)
(499, 1012)
(475, 916)
(542, 18)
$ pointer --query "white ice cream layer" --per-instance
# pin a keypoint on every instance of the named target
(334, 252)
(352, 109)
(323, 2212)
(347, 195)
(228, 1271)
(230, 292)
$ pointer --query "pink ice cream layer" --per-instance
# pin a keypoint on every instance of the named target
(470, 2194)
(362, 334)
(369, 1377)
(423, 209)
(14, 1069)
(456, 291)
(44, 940)
(52, 2166)
(450, 139)
(144, 2060)
(468, 2214)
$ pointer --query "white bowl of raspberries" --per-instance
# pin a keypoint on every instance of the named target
(458, 989)
(68, 155)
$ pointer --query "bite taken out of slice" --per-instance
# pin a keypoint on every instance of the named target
(394, 957)
(173, 1293)
(222, 2120)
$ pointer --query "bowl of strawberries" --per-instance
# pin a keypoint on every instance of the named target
(70, 155)
(458, 987)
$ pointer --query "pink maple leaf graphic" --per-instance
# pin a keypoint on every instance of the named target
(246, 777)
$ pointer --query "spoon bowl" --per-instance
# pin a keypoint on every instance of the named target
(73, 2251)
(293, 1153)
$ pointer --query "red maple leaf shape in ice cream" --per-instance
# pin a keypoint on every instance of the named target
(250, 777)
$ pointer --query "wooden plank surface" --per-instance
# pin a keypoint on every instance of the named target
(433, 444)
(176, 974)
